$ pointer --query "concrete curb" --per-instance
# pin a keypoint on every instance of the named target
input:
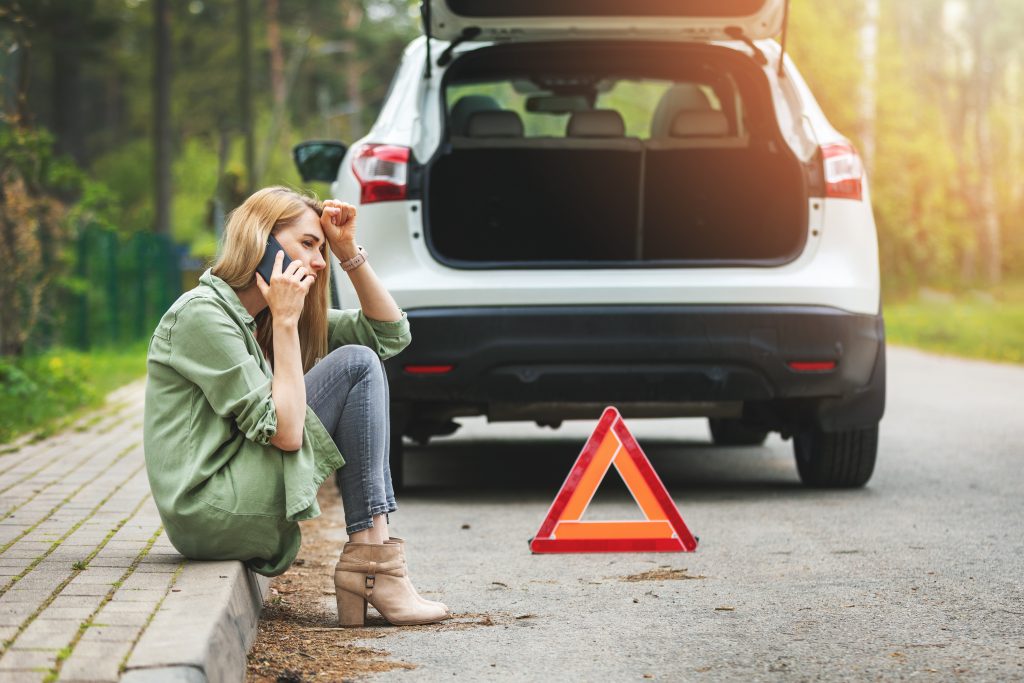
(204, 628)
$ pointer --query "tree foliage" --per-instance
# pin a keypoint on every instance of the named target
(947, 127)
(948, 70)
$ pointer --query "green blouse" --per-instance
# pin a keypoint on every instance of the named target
(222, 489)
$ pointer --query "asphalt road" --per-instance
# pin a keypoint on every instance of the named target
(917, 575)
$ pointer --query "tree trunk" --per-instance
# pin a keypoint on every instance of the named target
(354, 69)
(162, 113)
(869, 79)
(282, 78)
(987, 206)
(66, 98)
(276, 53)
(24, 58)
(983, 78)
(245, 95)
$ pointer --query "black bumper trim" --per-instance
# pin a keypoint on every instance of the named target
(653, 353)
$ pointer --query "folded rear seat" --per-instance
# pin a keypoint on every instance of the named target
(523, 199)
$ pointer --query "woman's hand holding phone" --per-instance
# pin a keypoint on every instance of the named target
(286, 292)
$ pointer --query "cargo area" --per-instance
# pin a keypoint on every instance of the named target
(568, 155)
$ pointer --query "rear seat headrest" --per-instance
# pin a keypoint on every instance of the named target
(680, 97)
(495, 124)
(688, 124)
(596, 123)
(466, 106)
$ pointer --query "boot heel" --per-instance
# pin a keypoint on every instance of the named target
(351, 609)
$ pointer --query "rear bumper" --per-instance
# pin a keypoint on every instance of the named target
(658, 354)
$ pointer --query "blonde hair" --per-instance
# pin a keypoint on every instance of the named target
(248, 226)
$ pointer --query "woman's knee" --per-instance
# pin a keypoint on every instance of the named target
(354, 355)
(356, 358)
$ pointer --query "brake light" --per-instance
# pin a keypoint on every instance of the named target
(381, 172)
(843, 170)
(812, 366)
(428, 369)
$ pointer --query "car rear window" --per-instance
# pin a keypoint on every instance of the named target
(545, 105)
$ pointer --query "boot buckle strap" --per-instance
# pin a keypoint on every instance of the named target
(370, 581)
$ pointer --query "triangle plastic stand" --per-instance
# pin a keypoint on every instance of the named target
(612, 444)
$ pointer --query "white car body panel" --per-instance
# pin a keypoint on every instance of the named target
(446, 24)
(838, 267)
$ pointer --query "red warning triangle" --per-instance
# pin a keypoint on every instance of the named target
(612, 444)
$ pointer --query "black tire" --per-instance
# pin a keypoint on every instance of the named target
(843, 459)
(727, 431)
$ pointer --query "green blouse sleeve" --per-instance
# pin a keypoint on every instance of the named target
(208, 348)
(351, 326)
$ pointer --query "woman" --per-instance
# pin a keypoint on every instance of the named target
(257, 388)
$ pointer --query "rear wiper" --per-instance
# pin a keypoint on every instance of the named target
(736, 33)
(468, 33)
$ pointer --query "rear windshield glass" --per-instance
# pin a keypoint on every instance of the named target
(545, 105)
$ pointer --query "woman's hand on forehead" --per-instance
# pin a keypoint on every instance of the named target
(339, 223)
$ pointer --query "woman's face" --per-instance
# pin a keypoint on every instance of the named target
(303, 241)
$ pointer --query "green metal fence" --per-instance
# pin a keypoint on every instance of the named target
(119, 286)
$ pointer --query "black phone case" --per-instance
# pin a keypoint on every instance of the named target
(266, 266)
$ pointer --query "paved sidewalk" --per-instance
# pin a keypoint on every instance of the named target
(90, 587)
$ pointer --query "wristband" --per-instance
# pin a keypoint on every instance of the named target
(354, 262)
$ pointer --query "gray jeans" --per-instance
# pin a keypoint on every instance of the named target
(348, 391)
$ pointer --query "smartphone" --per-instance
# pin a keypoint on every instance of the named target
(266, 266)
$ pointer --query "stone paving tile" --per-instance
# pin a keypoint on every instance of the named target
(28, 659)
(96, 649)
(105, 575)
(156, 567)
(122, 561)
(32, 595)
(116, 634)
(22, 676)
(76, 613)
(147, 581)
(148, 596)
(49, 633)
(15, 613)
(80, 601)
(93, 670)
(25, 491)
(77, 499)
(134, 619)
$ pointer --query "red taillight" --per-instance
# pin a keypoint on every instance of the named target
(812, 365)
(843, 170)
(381, 171)
(428, 369)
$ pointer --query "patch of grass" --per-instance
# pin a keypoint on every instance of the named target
(81, 564)
(47, 392)
(977, 324)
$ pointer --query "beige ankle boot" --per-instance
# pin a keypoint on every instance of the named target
(375, 573)
(401, 544)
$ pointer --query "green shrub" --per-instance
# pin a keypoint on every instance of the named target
(46, 392)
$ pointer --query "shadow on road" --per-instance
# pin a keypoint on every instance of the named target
(532, 469)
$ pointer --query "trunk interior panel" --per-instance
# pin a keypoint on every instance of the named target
(563, 202)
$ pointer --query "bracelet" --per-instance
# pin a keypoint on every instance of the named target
(356, 261)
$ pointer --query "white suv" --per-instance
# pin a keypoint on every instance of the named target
(580, 209)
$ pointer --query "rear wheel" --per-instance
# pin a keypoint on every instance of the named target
(733, 432)
(843, 459)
